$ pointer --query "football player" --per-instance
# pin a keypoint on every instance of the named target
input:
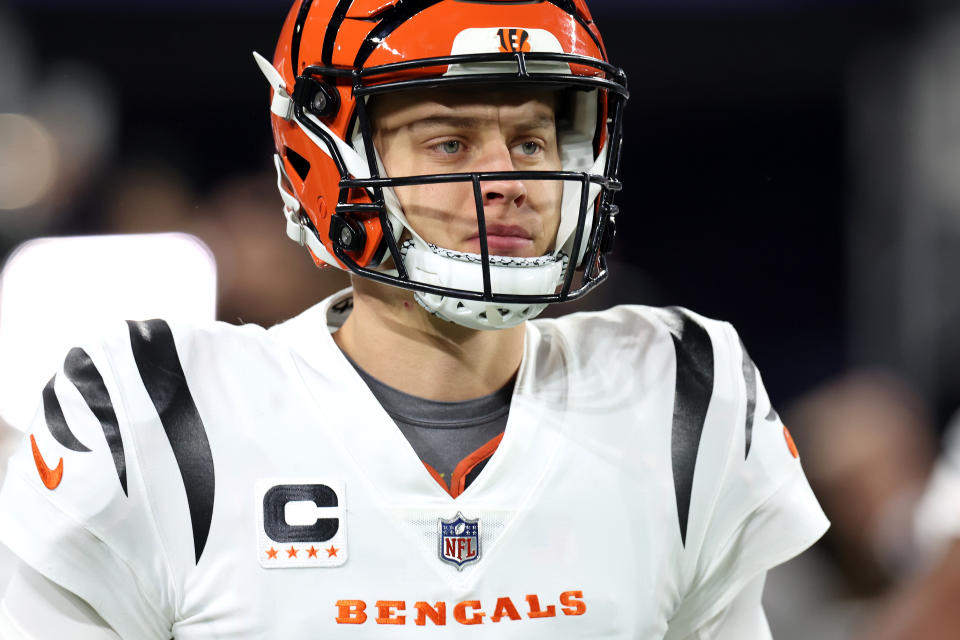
(414, 457)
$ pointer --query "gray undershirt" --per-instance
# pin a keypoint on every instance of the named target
(444, 433)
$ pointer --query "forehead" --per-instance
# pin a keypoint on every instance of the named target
(404, 107)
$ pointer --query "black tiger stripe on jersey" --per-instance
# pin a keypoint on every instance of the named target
(86, 378)
(694, 388)
(56, 422)
(750, 380)
(159, 364)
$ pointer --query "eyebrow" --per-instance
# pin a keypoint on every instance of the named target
(460, 122)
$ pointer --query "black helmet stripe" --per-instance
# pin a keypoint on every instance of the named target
(569, 7)
(392, 19)
(297, 33)
(403, 11)
(330, 38)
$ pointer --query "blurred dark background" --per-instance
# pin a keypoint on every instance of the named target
(742, 186)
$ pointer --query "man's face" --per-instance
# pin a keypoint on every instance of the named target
(426, 132)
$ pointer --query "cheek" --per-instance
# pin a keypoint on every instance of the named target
(550, 195)
(421, 200)
(432, 208)
(546, 198)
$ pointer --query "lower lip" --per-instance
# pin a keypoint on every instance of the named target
(502, 245)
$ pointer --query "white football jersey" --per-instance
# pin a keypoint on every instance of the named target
(235, 482)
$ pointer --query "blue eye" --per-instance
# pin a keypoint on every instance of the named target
(530, 148)
(450, 146)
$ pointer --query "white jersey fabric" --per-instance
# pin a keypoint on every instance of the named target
(235, 482)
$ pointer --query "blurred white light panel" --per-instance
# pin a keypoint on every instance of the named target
(57, 291)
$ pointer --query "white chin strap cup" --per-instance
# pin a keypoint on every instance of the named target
(512, 276)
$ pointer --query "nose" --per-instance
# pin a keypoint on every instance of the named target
(503, 192)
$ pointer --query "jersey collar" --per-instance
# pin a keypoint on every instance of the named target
(381, 452)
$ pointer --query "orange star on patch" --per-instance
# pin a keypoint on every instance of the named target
(332, 552)
(291, 553)
(272, 553)
(312, 551)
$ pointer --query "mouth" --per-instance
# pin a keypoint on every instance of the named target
(504, 240)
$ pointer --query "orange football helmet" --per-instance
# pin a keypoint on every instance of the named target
(333, 55)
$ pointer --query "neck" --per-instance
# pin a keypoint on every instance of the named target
(394, 339)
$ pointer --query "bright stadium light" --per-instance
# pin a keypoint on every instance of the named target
(57, 291)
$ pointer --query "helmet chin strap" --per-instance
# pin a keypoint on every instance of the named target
(508, 275)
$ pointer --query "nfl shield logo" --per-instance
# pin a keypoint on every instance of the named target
(459, 541)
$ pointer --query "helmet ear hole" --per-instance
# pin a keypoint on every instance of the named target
(300, 164)
(347, 233)
(320, 98)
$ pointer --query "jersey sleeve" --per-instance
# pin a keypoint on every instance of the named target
(73, 506)
(752, 507)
